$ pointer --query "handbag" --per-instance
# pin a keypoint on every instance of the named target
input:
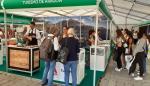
(128, 59)
(63, 54)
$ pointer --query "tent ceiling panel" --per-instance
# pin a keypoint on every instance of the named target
(122, 20)
(36, 11)
(138, 14)
(129, 17)
(109, 2)
(49, 14)
(118, 19)
(79, 12)
(121, 14)
(42, 16)
(123, 3)
(76, 12)
(142, 8)
(131, 21)
(23, 13)
(69, 11)
(137, 18)
(121, 10)
(92, 14)
(144, 1)
(60, 11)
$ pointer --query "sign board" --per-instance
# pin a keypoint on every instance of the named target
(20, 4)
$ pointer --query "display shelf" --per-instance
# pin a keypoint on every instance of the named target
(102, 56)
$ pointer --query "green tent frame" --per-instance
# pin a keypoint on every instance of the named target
(15, 19)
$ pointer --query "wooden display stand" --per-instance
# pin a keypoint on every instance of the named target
(24, 59)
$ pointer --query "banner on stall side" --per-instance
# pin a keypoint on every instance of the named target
(20, 4)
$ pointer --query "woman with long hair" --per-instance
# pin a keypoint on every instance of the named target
(119, 49)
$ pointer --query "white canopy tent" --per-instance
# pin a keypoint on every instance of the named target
(130, 12)
(62, 12)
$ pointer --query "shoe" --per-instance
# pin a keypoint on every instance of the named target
(125, 68)
(132, 74)
(138, 78)
(45, 83)
(118, 70)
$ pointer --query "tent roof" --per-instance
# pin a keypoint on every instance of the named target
(129, 11)
(47, 13)
(55, 7)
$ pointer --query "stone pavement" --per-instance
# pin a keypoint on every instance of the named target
(15, 80)
(113, 78)
(7, 79)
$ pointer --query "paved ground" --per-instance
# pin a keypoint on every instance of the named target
(113, 78)
(14, 80)
(7, 79)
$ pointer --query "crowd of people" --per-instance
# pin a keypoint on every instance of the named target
(68, 38)
(131, 49)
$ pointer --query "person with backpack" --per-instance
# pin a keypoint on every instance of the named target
(49, 52)
(71, 63)
(139, 56)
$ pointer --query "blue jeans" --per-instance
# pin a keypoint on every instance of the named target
(73, 66)
(49, 69)
(144, 64)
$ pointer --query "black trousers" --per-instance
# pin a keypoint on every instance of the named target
(138, 59)
(118, 57)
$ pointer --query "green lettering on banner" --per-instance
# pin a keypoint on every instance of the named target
(41, 1)
(20, 4)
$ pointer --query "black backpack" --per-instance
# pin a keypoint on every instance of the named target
(63, 53)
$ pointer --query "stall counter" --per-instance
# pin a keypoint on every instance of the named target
(24, 59)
